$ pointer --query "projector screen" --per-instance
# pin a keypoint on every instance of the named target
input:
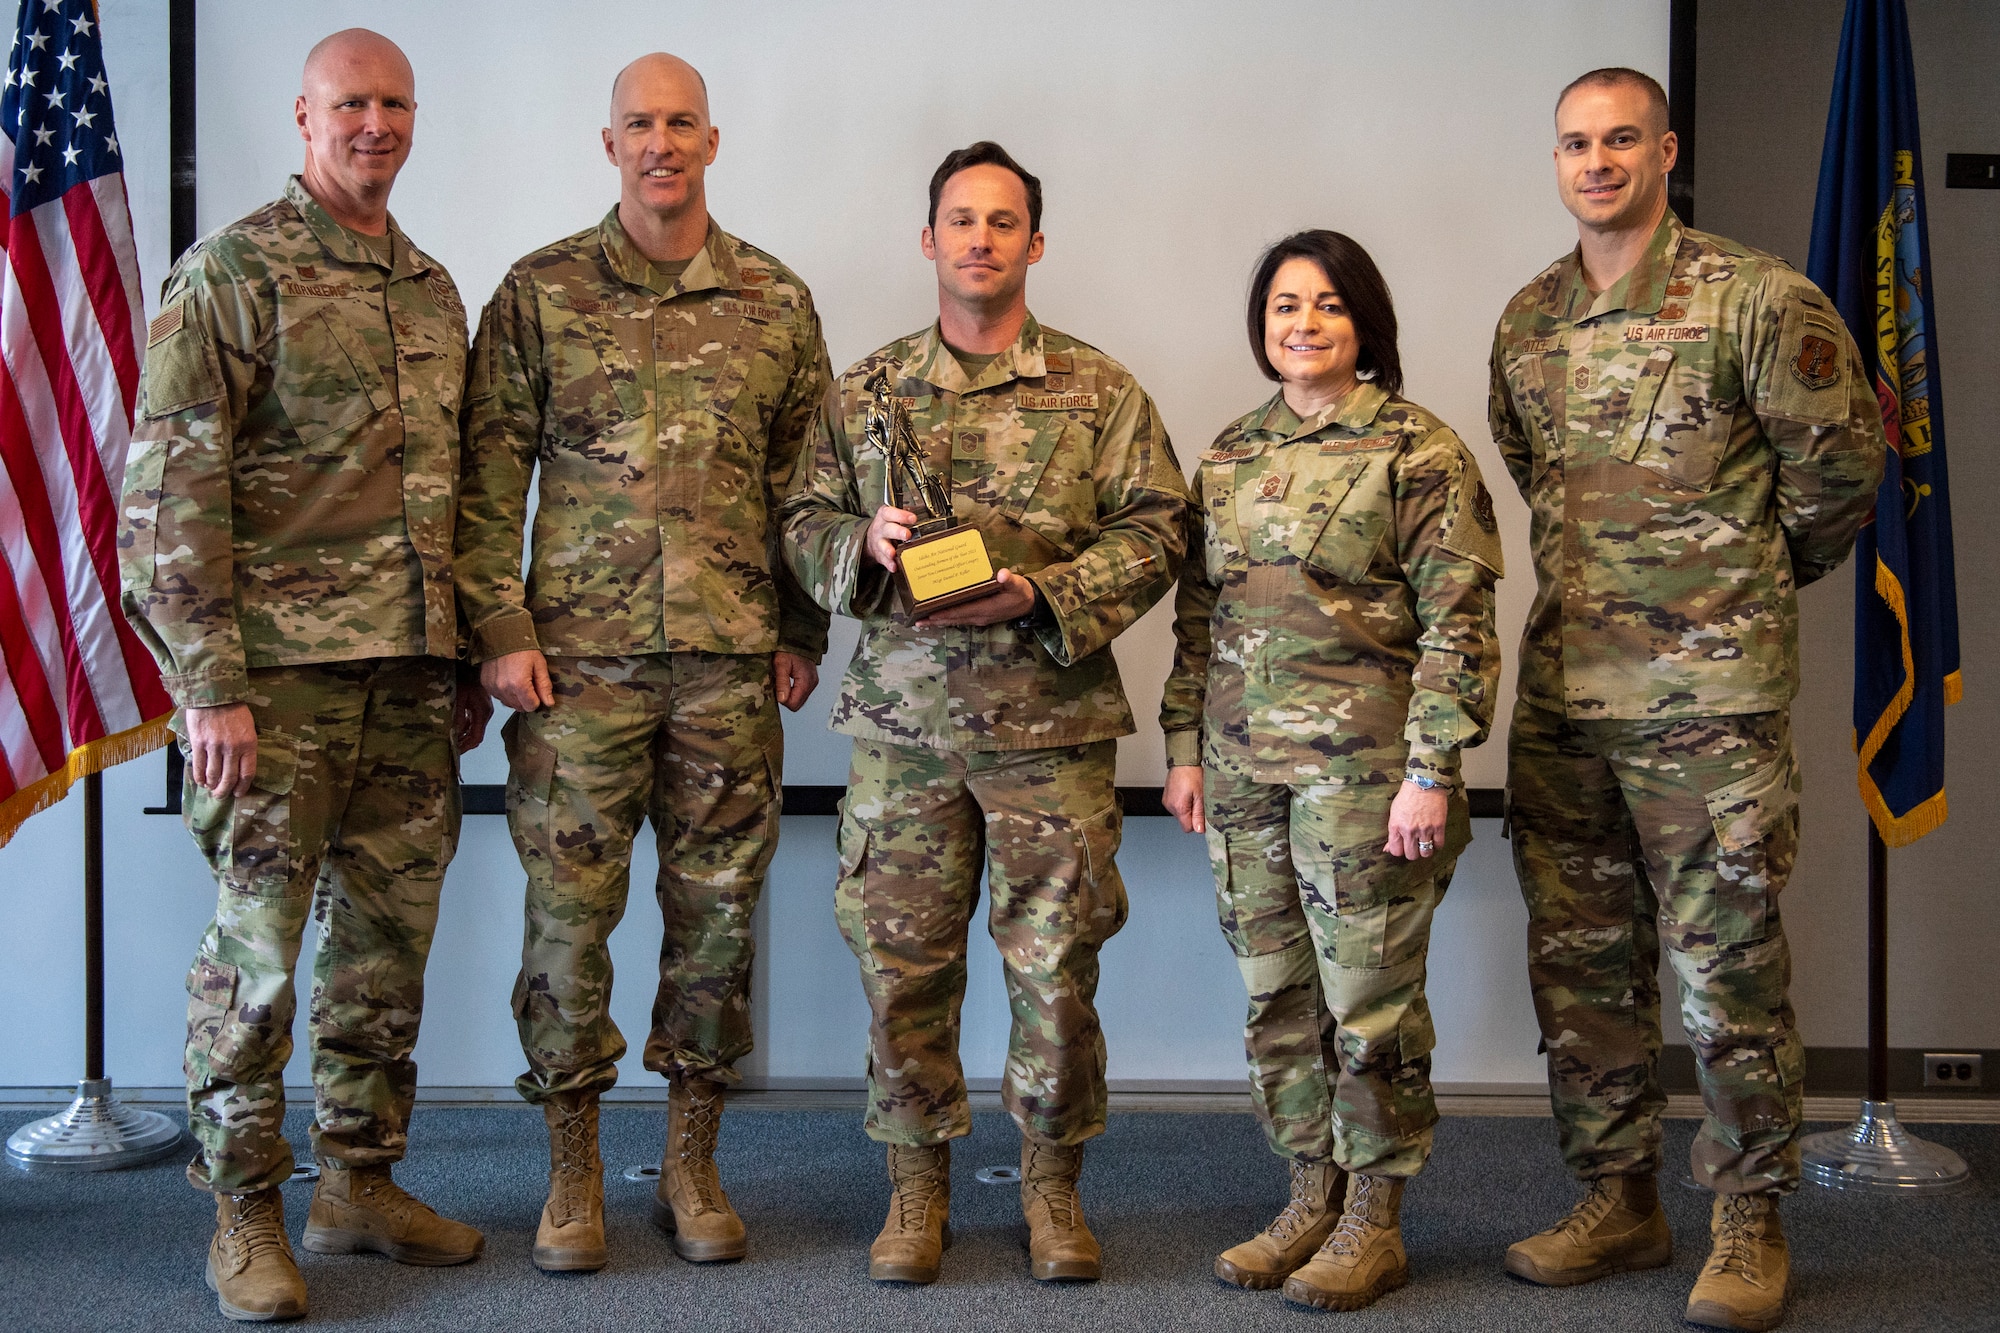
(1173, 140)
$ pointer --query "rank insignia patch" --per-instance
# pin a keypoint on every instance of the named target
(1817, 364)
(1272, 487)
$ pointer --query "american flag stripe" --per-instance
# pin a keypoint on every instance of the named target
(79, 690)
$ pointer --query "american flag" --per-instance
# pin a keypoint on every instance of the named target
(78, 692)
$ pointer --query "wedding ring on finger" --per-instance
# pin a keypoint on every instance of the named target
(1426, 846)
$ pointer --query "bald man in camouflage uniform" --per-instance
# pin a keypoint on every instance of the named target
(984, 734)
(1692, 428)
(662, 375)
(287, 557)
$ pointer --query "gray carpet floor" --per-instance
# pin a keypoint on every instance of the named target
(1164, 1192)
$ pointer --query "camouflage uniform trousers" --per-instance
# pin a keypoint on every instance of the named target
(690, 741)
(1332, 934)
(1693, 821)
(353, 815)
(915, 827)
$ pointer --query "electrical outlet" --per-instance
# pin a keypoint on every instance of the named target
(1951, 1071)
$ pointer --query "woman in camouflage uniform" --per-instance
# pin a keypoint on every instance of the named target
(1336, 651)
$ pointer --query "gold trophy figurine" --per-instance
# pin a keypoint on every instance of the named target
(944, 562)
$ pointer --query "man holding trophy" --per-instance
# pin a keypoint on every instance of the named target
(995, 502)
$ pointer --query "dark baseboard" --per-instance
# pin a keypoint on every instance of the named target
(1833, 1071)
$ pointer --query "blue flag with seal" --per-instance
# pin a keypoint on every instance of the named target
(1871, 254)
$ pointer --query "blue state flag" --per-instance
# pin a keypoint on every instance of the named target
(1871, 254)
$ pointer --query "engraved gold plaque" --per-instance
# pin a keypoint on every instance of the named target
(944, 562)
(944, 569)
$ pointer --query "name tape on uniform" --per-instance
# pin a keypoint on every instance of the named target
(1666, 333)
(1054, 402)
(757, 310)
(1353, 446)
(293, 287)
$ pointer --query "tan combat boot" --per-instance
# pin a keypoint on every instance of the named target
(1060, 1246)
(1363, 1258)
(361, 1208)
(570, 1238)
(1273, 1254)
(689, 1204)
(1619, 1227)
(1743, 1283)
(250, 1265)
(918, 1232)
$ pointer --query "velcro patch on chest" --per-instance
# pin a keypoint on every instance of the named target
(1356, 446)
(1228, 455)
(1666, 333)
(166, 323)
(293, 287)
(1273, 487)
(1054, 402)
(1537, 346)
(757, 310)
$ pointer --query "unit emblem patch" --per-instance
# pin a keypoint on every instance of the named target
(1818, 363)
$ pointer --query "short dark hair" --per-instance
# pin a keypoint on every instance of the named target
(986, 153)
(1618, 76)
(1362, 290)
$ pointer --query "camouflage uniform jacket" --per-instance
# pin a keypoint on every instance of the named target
(1694, 444)
(1060, 460)
(666, 416)
(289, 497)
(1337, 624)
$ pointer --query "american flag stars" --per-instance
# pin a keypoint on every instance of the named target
(57, 99)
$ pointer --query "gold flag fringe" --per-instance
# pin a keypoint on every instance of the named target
(84, 760)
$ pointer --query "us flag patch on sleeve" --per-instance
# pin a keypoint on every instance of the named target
(166, 323)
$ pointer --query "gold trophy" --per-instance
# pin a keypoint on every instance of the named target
(943, 562)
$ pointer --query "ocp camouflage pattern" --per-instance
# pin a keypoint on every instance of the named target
(1331, 933)
(290, 492)
(1695, 444)
(1629, 835)
(1059, 459)
(351, 821)
(917, 826)
(1337, 624)
(691, 742)
(666, 416)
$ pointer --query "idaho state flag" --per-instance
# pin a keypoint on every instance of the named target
(1871, 254)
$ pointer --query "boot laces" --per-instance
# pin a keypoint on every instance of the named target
(915, 1179)
(1589, 1211)
(1735, 1238)
(700, 1128)
(1056, 1189)
(385, 1196)
(258, 1227)
(1350, 1234)
(576, 1160)
(1299, 1209)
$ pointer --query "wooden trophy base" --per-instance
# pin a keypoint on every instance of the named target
(938, 569)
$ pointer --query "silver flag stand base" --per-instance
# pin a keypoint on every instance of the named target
(1877, 1153)
(96, 1133)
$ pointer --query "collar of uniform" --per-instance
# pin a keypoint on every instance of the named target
(1640, 292)
(1357, 411)
(932, 362)
(713, 266)
(340, 243)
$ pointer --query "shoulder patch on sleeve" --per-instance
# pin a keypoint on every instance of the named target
(1471, 528)
(167, 322)
(180, 369)
(1809, 382)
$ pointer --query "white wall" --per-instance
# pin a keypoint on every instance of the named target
(1173, 140)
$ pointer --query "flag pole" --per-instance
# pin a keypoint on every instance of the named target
(98, 1132)
(1876, 1152)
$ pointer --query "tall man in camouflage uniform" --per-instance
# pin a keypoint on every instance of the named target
(287, 557)
(1691, 427)
(663, 374)
(989, 726)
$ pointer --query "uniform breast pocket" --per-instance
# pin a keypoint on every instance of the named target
(1343, 509)
(1527, 385)
(592, 387)
(756, 369)
(325, 377)
(1052, 492)
(1222, 540)
(1678, 425)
